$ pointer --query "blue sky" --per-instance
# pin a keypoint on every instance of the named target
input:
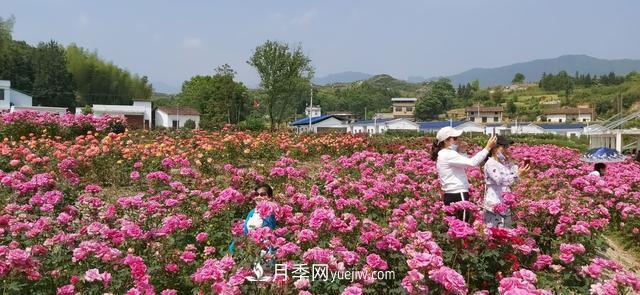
(170, 41)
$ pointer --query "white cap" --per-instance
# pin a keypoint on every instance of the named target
(447, 132)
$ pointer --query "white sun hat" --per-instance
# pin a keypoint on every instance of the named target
(447, 132)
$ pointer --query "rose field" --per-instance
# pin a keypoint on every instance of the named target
(88, 209)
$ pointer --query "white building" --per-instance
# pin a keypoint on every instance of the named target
(325, 123)
(51, 110)
(471, 127)
(313, 111)
(138, 115)
(377, 126)
(434, 126)
(12, 100)
(11, 97)
(403, 107)
(567, 115)
(481, 114)
(176, 117)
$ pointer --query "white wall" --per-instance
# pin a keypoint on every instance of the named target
(20, 99)
(357, 129)
(165, 120)
(498, 130)
(330, 122)
(11, 96)
(527, 129)
(52, 110)
(471, 127)
(584, 118)
(489, 115)
(557, 118)
(400, 125)
(5, 100)
(147, 109)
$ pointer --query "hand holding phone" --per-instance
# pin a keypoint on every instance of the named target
(527, 162)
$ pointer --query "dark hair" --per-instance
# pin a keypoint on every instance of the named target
(435, 148)
(599, 167)
(490, 154)
(265, 186)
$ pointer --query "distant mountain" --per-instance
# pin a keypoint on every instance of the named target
(533, 70)
(344, 77)
(162, 87)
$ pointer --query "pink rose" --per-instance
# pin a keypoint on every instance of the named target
(202, 236)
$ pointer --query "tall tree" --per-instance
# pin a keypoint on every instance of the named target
(511, 107)
(284, 72)
(443, 91)
(436, 100)
(428, 108)
(53, 84)
(218, 98)
(102, 82)
(518, 78)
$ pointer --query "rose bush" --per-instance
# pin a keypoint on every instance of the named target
(147, 213)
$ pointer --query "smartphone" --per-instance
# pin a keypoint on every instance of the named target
(527, 162)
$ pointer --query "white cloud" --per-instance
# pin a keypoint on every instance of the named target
(192, 43)
(305, 18)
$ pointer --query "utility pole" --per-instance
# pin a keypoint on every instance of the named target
(310, 105)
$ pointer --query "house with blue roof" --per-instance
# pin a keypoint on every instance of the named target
(576, 129)
(434, 126)
(376, 126)
(324, 123)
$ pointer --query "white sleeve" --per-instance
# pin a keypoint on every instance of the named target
(456, 159)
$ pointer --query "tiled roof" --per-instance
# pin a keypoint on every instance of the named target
(484, 109)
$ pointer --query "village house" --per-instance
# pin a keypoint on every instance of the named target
(403, 106)
(176, 117)
(12, 100)
(567, 115)
(480, 114)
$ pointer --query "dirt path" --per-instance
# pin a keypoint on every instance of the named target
(616, 252)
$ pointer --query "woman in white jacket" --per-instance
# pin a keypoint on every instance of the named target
(500, 173)
(451, 166)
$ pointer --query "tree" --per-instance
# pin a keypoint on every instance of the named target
(443, 91)
(475, 85)
(189, 124)
(428, 107)
(15, 58)
(518, 78)
(53, 84)
(284, 72)
(436, 100)
(511, 107)
(218, 98)
(497, 96)
(101, 82)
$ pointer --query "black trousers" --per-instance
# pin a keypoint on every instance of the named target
(457, 197)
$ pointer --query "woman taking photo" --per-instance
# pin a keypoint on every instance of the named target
(451, 166)
(500, 173)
